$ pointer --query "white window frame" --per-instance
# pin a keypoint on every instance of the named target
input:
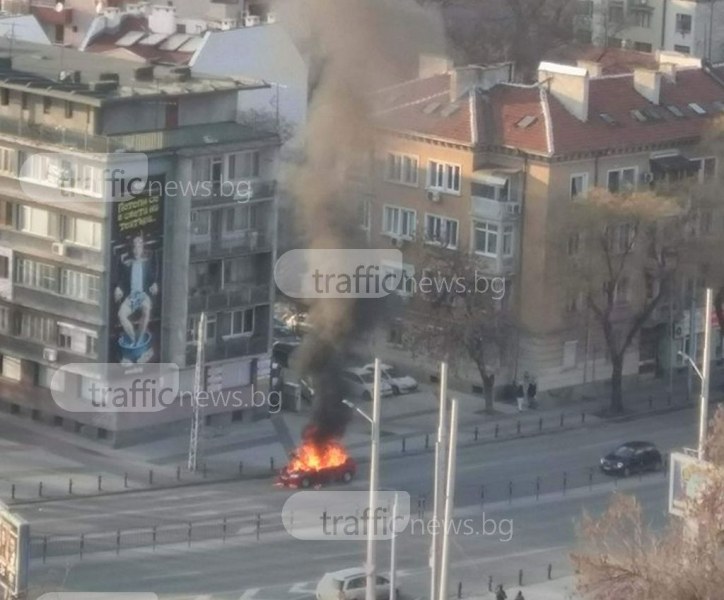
(237, 211)
(36, 275)
(442, 225)
(8, 161)
(11, 367)
(507, 233)
(402, 168)
(482, 225)
(442, 176)
(620, 172)
(240, 314)
(700, 173)
(78, 338)
(200, 224)
(584, 179)
(192, 328)
(404, 222)
(79, 285)
(37, 327)
(249, 159)
(27, 217)
(71, 232)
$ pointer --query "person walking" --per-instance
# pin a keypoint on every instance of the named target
(532, 392)
(520, 397)
(500, 593)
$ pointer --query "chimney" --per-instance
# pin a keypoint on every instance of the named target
(648, 83)
(676, 58)
(472, 77)
(434, 64)
(595, 69)
(162, 19)
(568, 85)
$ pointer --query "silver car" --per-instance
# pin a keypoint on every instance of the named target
(360, 383)
(400, 384)
(350, 584)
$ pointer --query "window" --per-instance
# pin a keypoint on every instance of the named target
(439, 230)
(80, 286)
(4, 318)
(237, 271)
(243, 165)
(485, 238)
(706, 168)
(621, 237)
(68, 109)
(34, 220)
(35, 274)
(622, 180)
(579, 186)
(10, 367)
(615, 12)
(683, 24)
(508, 238)
(399, 222)
(47, 105)
(4, 267)
(82, 232)
(363, 214)
(444, 177)
(642, 18)
(77, 340)
(401, 168)
(200, 222)
(7, 161)
(241, 322)
(498, 191)
(192, 329)
(682, 49)
(37, 328)
(239, 218)
(5, 96)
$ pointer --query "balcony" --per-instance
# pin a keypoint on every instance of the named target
(252, 241)
(248, 191)
(207, 300)
(493, 210)
(230, 348)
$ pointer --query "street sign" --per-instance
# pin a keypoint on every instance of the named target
(14, 554)
(687, 478)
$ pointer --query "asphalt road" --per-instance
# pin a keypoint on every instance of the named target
(278, 566)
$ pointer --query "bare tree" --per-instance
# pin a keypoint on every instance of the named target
(621, 557)
(614, 243)
(454, 313)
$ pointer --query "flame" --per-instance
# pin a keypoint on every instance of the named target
(314, 456)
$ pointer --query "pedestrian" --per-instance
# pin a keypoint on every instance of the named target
(532, 392)
(519, 596)
(520, 396)
(500, 593)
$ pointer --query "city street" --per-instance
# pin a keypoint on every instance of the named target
(543, 530)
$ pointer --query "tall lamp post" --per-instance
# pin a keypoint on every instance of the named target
(374, 421)
(704, 375)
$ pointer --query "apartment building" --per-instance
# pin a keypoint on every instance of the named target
(489, 167)
(205, 225)
(694, 27)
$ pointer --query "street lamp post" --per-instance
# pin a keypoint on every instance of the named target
(704, 375)
(374, 421)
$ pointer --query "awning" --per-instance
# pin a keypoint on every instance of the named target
(673, 164)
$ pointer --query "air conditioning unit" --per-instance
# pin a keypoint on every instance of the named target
(397, 242)
(50, 354)
(58, 249)
(647, 177)
(252, 21)
(434, 196)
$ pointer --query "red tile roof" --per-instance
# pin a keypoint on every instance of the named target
(550, 129)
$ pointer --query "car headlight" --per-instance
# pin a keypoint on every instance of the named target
(603, 461)
(619, 465)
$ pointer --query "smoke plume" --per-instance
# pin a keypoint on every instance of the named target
(354, 47)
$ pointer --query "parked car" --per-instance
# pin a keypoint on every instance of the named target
(350, 584)
(632, 457)
(400, 384)
(282, 331)
(359, 382)
(306, 479)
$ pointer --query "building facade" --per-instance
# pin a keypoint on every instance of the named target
(203, 225)
(492, 168)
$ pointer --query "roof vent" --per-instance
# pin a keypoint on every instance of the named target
(676, 111)
(697, 108)
(608, 118)
(526, 121)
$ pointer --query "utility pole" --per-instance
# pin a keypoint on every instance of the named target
(705, 376)
(198, 386)
(393, 552)
(438, 490)
(693, 343)
(449, 501)
(370, 590)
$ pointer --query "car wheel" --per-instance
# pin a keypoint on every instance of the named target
(347, 476)
(395, 390)
(366, 396)
(305, 482)
(626, 472)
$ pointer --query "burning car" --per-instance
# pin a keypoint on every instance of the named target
(317, 463)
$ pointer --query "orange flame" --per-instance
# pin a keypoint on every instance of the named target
(313, 456)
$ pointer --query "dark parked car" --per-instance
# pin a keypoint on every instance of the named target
(632, 457)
